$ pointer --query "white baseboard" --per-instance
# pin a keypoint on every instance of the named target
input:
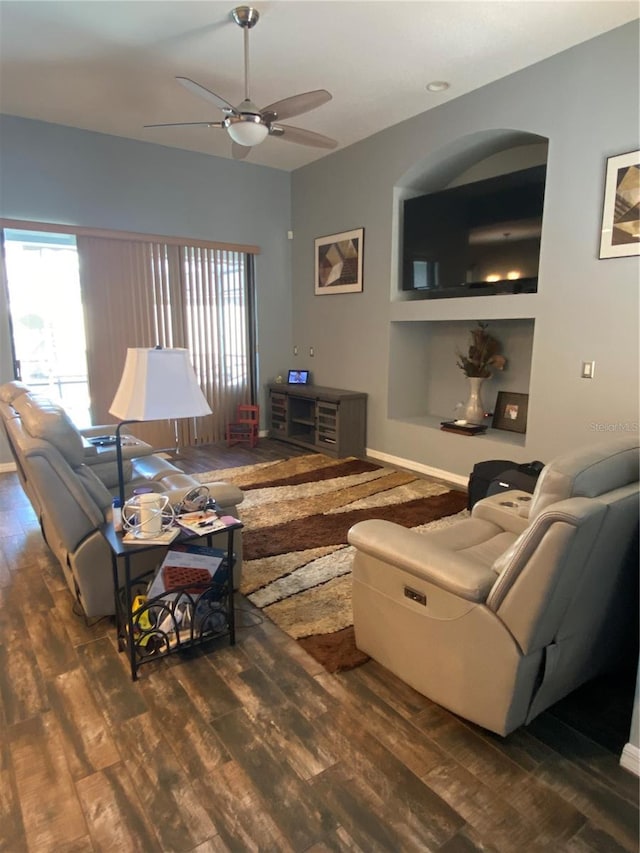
(7, 467)
(457, 479)
(630, 759)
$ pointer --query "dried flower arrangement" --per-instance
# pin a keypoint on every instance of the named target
(484, 353)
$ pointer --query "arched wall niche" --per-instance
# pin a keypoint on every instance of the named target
(470, 158)
(448, 166)
(424, 382)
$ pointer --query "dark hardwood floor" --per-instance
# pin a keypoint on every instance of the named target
(256, 747)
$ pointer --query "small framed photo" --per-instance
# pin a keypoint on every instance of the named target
(620, 236)
(339, 262)
(511, 411)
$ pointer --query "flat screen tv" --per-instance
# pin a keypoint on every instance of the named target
(476, 239)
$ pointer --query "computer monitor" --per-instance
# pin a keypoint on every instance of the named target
(298, 377)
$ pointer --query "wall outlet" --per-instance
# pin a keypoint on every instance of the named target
(588, 368)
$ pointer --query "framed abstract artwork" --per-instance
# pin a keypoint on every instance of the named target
(338, 262)
(620, 236)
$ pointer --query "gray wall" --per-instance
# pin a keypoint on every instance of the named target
(50, 173)
(585, 102)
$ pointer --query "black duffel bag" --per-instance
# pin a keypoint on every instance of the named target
(489, 478)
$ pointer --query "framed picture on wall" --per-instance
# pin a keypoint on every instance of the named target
(511, 411)
(620, 236)
(338, 262)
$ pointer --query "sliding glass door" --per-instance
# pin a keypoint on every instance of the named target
(144, 293)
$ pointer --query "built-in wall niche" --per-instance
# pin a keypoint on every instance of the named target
(425, 383)
(477, 233)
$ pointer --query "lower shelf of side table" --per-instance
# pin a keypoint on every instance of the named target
(176, 620)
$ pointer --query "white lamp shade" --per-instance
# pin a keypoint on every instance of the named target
(158, 384)
(247, 132)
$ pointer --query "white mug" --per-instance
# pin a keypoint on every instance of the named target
(150, 524)
(147, 515)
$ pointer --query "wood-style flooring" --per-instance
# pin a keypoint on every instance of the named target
(256, 747)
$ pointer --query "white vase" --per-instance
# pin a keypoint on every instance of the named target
(474, 412)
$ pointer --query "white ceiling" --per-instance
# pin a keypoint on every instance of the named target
(109, 65)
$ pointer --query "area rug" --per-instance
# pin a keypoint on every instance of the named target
(296, 560)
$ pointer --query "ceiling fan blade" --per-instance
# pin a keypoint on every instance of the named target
(298, 104)
(197, 89)
(239, 152)
(187, 124)
(302, 137)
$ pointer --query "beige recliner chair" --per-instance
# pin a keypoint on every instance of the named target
(502, 614)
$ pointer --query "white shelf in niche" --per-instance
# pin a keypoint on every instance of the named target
(501, 307)
(515, 439)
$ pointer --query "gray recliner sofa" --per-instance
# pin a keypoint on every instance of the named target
(501, 615)
(71, 483)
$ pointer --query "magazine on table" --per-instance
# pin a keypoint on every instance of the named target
(186, 556)
(205, 521)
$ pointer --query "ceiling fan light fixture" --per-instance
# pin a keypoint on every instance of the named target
(246, 124)
(247, 130)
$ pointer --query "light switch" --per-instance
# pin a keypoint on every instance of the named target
(588, 368)
(311, 351)
(295, 350)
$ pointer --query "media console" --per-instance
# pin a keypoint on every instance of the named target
(329, 420)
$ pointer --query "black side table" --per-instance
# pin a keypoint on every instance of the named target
(126, 620)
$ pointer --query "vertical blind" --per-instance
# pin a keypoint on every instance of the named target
(218, 330)
(146, 292)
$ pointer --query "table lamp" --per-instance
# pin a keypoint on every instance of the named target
(156, 384)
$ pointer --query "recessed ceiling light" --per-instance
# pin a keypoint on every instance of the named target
(438, 85)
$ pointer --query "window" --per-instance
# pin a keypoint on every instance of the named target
(47, 318)
(142, 291)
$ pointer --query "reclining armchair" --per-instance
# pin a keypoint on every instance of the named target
(502, 614)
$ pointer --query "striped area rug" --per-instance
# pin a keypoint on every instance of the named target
(297, 564)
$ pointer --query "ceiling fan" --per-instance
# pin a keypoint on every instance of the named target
(246, 124)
